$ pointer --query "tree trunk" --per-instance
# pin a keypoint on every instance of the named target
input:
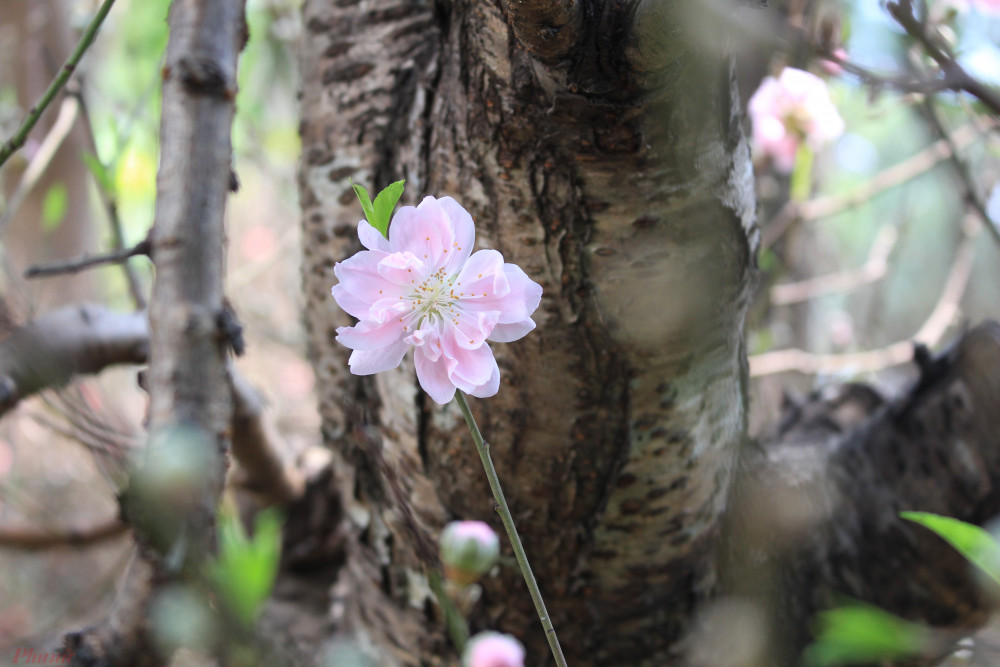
(598, 146)
(608, 162)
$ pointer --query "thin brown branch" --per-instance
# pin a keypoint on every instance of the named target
(933, 329)
(88, 261)
(34, 538)
(68, 111)
(550, 29)
(956, 77)
(77, 339)
(842, 281)
(891, 177)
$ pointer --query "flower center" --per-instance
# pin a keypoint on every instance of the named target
(434, 299)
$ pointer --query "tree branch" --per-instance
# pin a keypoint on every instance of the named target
(37, 539)
(87, 261)
(21, 134)
(76, 339)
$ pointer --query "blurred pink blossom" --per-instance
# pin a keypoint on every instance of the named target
(832, 65)
(984, 6)
(492, 649)
(786, 111)
(424, 288)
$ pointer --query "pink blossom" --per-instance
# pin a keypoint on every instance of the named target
(424, 288)
(492, 649)
(793, 108)
(832, 65)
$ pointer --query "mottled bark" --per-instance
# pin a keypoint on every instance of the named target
(612, 169)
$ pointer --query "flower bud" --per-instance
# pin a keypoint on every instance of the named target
(492, 649)
(468, 550)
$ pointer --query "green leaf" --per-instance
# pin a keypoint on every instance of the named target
(54, 206)
(366, 202)
(976, 544)
(860, 633)
(384, 203)
(105, 180)
(245, 569)
(379, 213)
(801, 184)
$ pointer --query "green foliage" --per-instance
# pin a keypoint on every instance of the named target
(379, 212)
(54, 206)
(244, 571)
(859, 633)
(977, 545)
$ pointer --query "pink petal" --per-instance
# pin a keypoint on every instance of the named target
(367, 335)
(367, 362)
(491, 386)
(464, 229)
(507, 333)
(520, 300)
(470, 329)
(426, 231)
(473, 368)
(371, 238)
(359, 284)
(433, 376)
(401, 269)
(483, 276)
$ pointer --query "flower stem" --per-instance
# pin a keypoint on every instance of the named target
(457, 627)
(508, 524)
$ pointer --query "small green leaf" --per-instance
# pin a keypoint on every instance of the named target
(384, 203)
(105, 180)
(976, 544)
(860, 633)
(245, 569)
(801, 184)
(366, 202)
(54, 206)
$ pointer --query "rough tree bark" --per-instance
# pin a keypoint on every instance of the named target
(598, 145)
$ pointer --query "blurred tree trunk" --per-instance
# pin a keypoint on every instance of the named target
(598, 146)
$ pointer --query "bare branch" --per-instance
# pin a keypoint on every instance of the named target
(549, 29)
(901, 352)
(87, 261)
(38, 539)
(842, 281)
(81, 338)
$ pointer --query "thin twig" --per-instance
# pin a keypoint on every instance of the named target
(87, 261)
(842, 281)
(954, 74)
(37, 539)
(899, 173)
(21, 134)
(41, 159)
(901, 352)
(962, 170)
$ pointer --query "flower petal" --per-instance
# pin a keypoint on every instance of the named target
(472, 368)
(402, 269)
(464, 229)
(506, 333)
(433, 376)
(426, 231)
(470, 329)
(368, 335)
(371, 238)
(483, 277)
(367, 362)
(519, 300)
(491, 386)
(360, 284)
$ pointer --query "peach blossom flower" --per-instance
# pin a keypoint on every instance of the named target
(793, 108)
(424, 288)
(492, 649)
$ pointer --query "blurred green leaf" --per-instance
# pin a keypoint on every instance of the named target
(860, 633)
(54, 206)
(105, 180)
(976, 544)
(245, 569)
(801, 184)
(366, 202)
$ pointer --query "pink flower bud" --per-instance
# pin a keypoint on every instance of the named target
(469, 549)
(492, 649)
